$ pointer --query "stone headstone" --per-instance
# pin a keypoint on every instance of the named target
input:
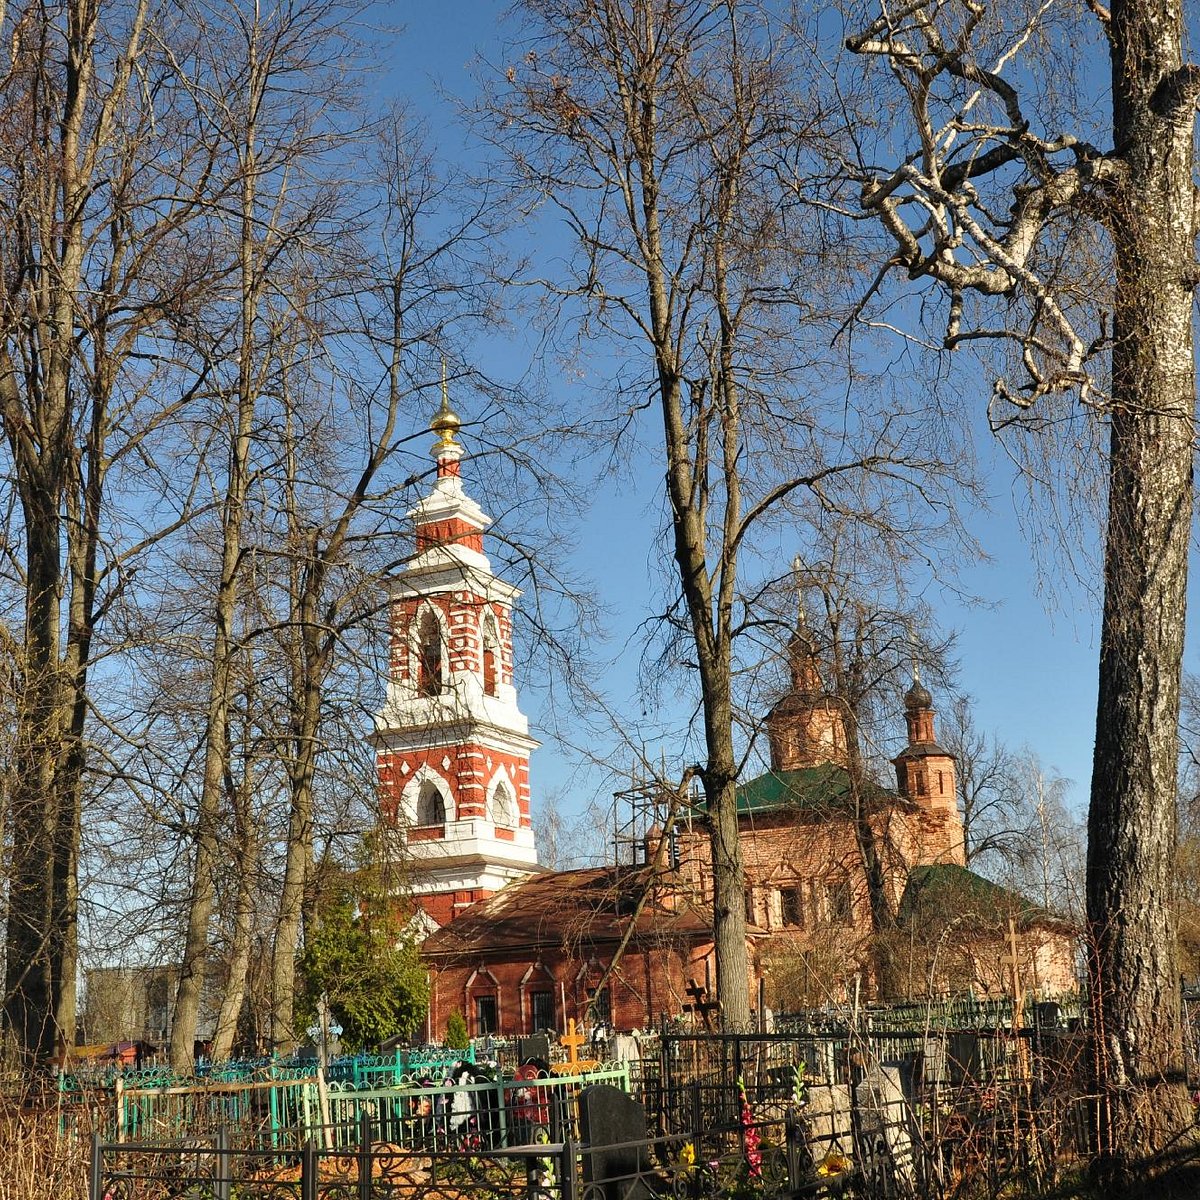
(964, 1058)
(608, 1119)
(884, 1139)
(537, 1046)
(933, 1059)
(1046, 1014)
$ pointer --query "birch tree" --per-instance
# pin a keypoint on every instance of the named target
(1076, 251)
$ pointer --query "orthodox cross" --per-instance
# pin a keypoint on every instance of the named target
(698, 991)
(572, 1039)
(1012, 960)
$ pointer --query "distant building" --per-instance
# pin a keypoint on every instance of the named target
(516, 948)
(128, 1004)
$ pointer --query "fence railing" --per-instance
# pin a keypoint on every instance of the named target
(485, 1113)
(285, 1113)
(414, 1062)
(765, 1160)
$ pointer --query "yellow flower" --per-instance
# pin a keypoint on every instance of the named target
(687, 1155)
(833, 1164)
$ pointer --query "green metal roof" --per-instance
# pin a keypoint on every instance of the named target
(807, 789)
(942, 890)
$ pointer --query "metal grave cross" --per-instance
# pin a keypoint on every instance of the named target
(572, 1039)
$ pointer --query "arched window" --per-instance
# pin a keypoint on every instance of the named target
(429, 655)
(504, 808)
(491, 656)
(431, 806)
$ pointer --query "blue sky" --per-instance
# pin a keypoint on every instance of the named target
(1027, 654)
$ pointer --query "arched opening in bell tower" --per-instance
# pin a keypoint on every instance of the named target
(491, 656)
(431, 805)
(430, 660)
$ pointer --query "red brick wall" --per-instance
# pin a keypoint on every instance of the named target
(647, 984)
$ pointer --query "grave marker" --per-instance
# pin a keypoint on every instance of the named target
(698, 991)
(609, 1119)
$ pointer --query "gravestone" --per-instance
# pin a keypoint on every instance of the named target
(964, 1057)
(536, 1046)
(884, 1138)
(1046, 1014)
(933, 1059)
(608, 1119)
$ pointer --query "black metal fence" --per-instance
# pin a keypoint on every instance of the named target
(893, 1113)
(765, 1160)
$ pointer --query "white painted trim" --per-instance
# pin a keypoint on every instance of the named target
(435, 571)
(435, 732)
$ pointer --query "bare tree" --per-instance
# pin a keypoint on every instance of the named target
(88, 233)
(988, 788)
(417, 280)
(1081, 259)
(656, 129)
(271, 116)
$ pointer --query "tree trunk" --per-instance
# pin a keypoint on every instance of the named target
(216, 749)
(29, 985)
(308, 676)
(1135, 1001)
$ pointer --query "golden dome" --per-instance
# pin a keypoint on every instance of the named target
(446, 422)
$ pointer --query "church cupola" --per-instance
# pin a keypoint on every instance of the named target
(925, 773)
(452, 746)
(807, 727)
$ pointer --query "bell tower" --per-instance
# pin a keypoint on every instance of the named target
(452, 747)
(925, 775)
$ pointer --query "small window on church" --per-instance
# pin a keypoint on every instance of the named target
(491, 657)
(430, 679)
(791, 906)
(487, 1016)
(941, 783)
(504, 808)
(920, 783)
(837, 901)
(750, 906)
(431, 807)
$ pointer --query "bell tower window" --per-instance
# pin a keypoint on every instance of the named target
(431, 806)
(491, 657)
(504, 808)
(430, 680)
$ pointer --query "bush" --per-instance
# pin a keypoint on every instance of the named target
(456, 1032)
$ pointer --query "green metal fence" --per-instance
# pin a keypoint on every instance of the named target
(484, 1114)
(283, 1113)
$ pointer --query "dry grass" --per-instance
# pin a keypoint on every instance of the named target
(40, 1159)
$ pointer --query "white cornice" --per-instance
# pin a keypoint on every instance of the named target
(474, 840)
(488, 737)
(448, 501)
(451, 568)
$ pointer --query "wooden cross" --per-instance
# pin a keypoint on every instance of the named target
(1013, 960)
(699, 1005)
(572, 1040)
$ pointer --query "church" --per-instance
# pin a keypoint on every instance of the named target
(836, 865)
